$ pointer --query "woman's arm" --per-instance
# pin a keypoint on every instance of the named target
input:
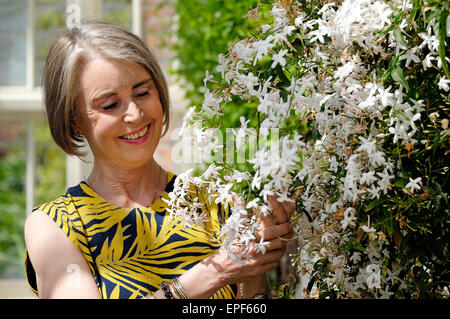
(218, 270)
(60, 267)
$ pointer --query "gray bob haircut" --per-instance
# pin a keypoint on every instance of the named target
(65, 58)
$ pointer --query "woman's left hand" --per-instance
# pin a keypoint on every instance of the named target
(282, 212)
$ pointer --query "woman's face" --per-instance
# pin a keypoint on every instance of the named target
(120, 112)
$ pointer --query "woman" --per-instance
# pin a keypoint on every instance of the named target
(110, 236)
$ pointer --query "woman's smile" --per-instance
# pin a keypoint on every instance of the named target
(137, 137)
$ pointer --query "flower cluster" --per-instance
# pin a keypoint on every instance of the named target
(348, 101)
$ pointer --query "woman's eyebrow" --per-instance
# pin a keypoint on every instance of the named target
(112, 93)
(142, 82)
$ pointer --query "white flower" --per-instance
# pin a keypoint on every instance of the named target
(225, 195)
(368, 229)
(253, 203)
(208, 78)
(265, 28)
(211, 104)
(262, 48)
(265, 209)
(374, 281)
(356, 257)
(241, 133)
(385, 96)
(212, 171)
(444, 84)
(431, 41)
(374, 278)
(385, 181)
(410, 55)
(278, 58)
(256, 182)
(349, 218)
(427, 61)
(262, 246)
(367, 145)
(414, 184)
(334, 164)
(377, 159)
(246, 238)
(344, 71)
(368, 178)
(298, 21)
(385, 293)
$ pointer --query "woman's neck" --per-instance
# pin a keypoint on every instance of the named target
(129, 188)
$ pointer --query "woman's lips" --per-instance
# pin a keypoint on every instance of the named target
(137, 137)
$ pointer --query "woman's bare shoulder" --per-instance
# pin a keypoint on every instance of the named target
(43, 235)
(54, 257)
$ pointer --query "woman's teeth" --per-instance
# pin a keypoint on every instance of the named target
(136, 135)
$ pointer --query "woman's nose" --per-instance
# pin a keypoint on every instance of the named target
(132, 113)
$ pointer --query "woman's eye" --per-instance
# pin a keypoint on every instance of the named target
(143, 94)
(110, 106)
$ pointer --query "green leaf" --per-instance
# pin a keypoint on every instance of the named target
(373, 204)
(392, 64)
(281, 75)
(389, 222)
(415, 9)
(442, 39)
(398, 76)
(399, 37)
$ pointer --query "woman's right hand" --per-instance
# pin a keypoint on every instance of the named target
(219, 270)
(257, 263)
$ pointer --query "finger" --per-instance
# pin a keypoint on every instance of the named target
(278, 211)
(276, 243)
(269, 257)
(289, 208)
(265, 220)
(262, 269)
(271, 232)
(288, 237)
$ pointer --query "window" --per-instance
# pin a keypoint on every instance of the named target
(13, 22)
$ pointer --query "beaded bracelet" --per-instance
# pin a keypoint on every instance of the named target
(165, 288)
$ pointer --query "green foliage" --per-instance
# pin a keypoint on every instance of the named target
(385, 238)
(12, 208)
(49, 182)
(118, 12)
(205, 29)
(50, 163)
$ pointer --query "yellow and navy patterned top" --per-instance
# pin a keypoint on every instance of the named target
(130, 251)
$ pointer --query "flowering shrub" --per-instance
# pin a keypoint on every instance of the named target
(349, 104)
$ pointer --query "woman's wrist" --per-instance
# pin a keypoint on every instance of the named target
(202, 280)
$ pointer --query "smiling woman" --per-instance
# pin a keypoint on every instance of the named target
(111, 236)
(119, 108)
(77, 47)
